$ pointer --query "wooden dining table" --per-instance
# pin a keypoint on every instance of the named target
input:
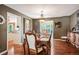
(44, 41)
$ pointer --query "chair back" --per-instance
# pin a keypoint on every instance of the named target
(26, 47)
(50, 39)
(31, 39)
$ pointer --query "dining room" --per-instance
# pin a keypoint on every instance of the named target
(37, 29)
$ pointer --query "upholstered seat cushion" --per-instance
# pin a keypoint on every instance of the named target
(33, 52)
(44, 39)
(40, 49)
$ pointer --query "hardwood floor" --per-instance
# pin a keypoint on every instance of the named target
(18, 49)
(64, 48)
(60, 48)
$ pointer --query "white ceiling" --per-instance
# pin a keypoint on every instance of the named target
(50, 10)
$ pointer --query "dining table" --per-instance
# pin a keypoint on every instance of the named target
(44, 41)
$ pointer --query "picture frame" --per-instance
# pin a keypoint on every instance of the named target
(11, 27)
(2, 19)
(58, 24)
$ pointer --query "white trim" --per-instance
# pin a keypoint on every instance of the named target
(3, 52)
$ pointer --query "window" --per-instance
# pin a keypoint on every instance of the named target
(46, 26)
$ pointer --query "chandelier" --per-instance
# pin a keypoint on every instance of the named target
(42, 19)
(42, 15)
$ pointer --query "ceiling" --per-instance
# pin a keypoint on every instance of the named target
(49, 10)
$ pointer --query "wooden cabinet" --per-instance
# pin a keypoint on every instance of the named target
(74, 39)
(77, 40)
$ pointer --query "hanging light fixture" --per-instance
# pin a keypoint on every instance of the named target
(42, 16)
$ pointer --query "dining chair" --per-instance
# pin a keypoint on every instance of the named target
(50, 38)
(32, 44)
(47, 44)
(25, 46)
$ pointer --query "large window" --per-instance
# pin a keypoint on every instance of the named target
(46, 26)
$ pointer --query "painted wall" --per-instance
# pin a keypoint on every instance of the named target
(36, 25)
(65, 26)
(3, 31)
(73, 19)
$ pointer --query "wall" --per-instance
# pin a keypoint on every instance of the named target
(58, 32)
(3, 31)
(65, 26)
(73, 19)
(36, 25)
(3, 28)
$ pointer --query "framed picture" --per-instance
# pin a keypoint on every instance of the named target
(11, 27)
(2, 19)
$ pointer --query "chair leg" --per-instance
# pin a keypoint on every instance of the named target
(45, 50)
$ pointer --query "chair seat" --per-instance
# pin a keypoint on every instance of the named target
(40, 49)
(64, 37)
(44, 39)
(33, 52)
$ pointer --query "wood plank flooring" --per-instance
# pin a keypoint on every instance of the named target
(60, 48)
(18, 49)
(64, 48)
